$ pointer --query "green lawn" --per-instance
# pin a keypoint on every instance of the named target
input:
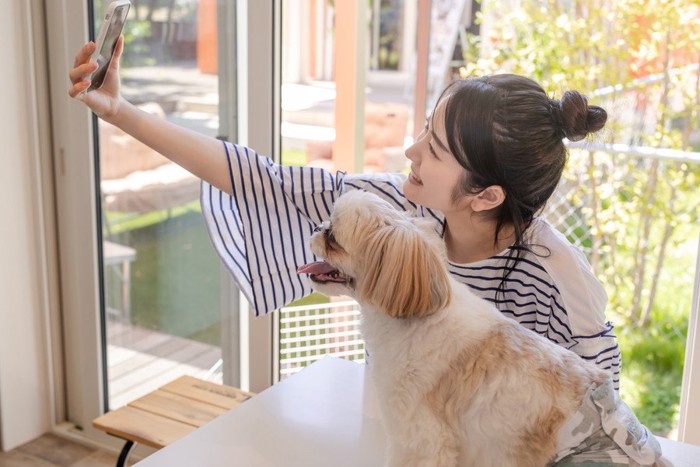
(653, 358)
(175, 279)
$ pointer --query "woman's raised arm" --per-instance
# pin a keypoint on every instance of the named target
(201, 155)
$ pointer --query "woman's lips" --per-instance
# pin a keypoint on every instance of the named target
(414, 179)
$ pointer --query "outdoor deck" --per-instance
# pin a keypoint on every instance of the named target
(140, 360)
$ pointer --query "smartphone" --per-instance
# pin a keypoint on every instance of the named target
(107, 38)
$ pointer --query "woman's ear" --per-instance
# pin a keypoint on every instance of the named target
(488, 198)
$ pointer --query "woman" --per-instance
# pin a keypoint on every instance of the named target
(486, 163)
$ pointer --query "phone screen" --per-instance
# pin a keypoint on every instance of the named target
(104, 57)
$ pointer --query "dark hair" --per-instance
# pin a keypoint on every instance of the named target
(505, 130)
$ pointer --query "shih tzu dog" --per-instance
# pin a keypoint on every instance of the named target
(457, 382)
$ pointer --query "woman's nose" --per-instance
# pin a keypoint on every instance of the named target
(412, 152)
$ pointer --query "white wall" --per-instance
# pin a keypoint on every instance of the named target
(25, 381)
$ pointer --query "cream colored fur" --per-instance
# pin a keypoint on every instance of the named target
(457, 382)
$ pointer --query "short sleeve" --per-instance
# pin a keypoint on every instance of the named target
(261, 231)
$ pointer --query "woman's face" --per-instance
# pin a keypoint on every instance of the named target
(434, 170)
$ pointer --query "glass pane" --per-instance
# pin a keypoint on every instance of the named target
(161, 276)
(317, 326)
(311, 46)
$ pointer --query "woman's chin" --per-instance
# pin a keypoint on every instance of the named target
(411, 191)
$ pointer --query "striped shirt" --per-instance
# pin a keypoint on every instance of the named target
(261, 232)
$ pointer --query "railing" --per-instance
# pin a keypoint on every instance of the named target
(309, 332)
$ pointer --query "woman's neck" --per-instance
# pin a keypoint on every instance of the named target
(471, 238)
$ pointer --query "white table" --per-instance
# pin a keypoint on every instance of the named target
(314, 418)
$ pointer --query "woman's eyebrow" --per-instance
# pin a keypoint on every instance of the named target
(439, 143)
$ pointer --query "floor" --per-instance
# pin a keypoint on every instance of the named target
(53, 451)
(140, 361)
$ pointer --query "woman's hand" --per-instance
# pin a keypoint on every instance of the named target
(201, 155)
(105, 101)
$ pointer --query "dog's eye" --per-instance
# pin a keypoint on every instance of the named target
(332, 242)
(331, 237)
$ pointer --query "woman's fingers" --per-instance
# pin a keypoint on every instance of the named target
(116, 57)
(79, 73)
(77, 89)
(82, 68)
(84, 54)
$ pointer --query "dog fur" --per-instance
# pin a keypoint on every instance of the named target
(457, 382)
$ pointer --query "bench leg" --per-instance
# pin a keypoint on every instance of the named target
(124, 455)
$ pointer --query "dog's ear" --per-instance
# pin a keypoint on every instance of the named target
(404, 272)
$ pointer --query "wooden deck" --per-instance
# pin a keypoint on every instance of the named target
(140, 360)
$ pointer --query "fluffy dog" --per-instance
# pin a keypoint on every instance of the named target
(457, 382)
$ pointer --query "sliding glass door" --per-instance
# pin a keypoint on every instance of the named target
(144, 298)
(161, 280)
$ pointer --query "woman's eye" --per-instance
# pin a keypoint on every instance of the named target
(432, 150)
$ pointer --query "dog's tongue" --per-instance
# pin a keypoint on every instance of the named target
(318, 267)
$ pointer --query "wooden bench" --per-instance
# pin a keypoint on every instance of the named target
(169, 413)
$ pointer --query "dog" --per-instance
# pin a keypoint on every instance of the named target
(457, 382)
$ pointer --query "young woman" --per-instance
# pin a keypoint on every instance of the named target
(489, 158)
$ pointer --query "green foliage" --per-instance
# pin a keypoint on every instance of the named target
(653, 396)
(137, 50)
(652, 369)
(118, 223)
(295, 157)
(314, 298)
(174, 278)
(632, 57)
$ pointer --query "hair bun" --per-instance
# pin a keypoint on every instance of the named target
(575, 117)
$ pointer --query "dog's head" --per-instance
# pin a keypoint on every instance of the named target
(381, 257)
